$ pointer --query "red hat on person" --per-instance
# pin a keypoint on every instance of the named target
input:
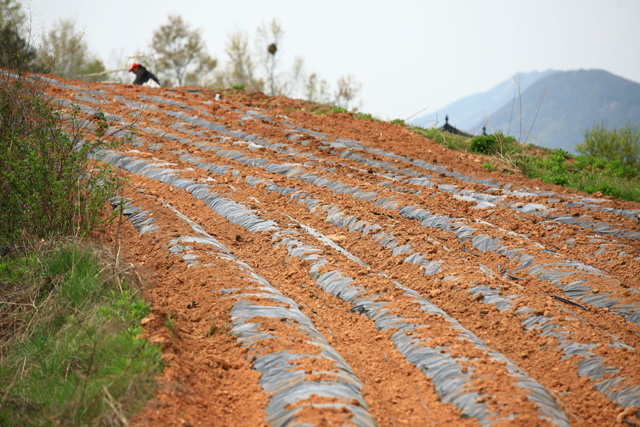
(133, 66)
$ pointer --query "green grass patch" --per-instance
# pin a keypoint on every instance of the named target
(589, 174)
(584, 173)
(71, 347)
(366, 116)
(449, 140)
(321, 109)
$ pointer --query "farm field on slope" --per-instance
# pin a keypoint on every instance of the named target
(324, 269)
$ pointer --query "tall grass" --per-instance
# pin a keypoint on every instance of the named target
(71, 351)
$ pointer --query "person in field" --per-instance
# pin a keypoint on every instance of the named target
(144, 77)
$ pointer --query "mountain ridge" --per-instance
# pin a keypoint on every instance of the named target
(574, 101)
(569, 102)
(464, 112)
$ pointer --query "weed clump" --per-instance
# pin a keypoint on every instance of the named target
(366, 116)
(589, 174)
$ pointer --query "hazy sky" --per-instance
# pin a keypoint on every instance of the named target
(408, 54)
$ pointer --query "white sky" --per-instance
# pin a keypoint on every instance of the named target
(408, 54)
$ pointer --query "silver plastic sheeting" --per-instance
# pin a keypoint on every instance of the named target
(590, 368)
(547, 272)
(451, 381)
(490, 296)
(605, 377)
(462, 232)
(285, 385)
(587, 202)
(483, 201)
(340, 286)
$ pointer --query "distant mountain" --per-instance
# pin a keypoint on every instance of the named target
(467, 112)
(575, 101)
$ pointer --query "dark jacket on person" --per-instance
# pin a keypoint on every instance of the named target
(143, 75)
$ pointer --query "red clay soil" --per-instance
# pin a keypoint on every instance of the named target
(540, 328)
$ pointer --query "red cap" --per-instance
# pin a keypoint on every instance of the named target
(134, 65)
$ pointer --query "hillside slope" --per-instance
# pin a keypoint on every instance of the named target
(322, 269)
(575, 101)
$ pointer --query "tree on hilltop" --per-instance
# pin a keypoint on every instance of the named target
(267, 45)
(240, 67)
(316, 89)
(177, 48)
(347, 92)
(63, 52)
(16, 51)
(260, 70)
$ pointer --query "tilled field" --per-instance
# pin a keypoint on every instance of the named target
(327, 270)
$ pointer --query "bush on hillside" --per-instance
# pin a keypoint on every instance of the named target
(489, 144)
(483, 144)
(622, 145)
(585, 173)
(48, 181)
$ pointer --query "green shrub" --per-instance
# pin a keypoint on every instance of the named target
(587, 173)
(489, 166)
(556, 179)
(605, 189)
(49, 183)
(398, 122)
(621, 144)
(502, 139)
(484, 144)
(238, 87)
(339, 110)
(563, 153)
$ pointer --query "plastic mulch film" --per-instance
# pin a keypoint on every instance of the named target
(484, 200)
(599, 300)
(605, 377)
(462, 232)
(581, 289)
(451, 375)
(448, 374)
(283, 380)
(597, 367)
(551, 272)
